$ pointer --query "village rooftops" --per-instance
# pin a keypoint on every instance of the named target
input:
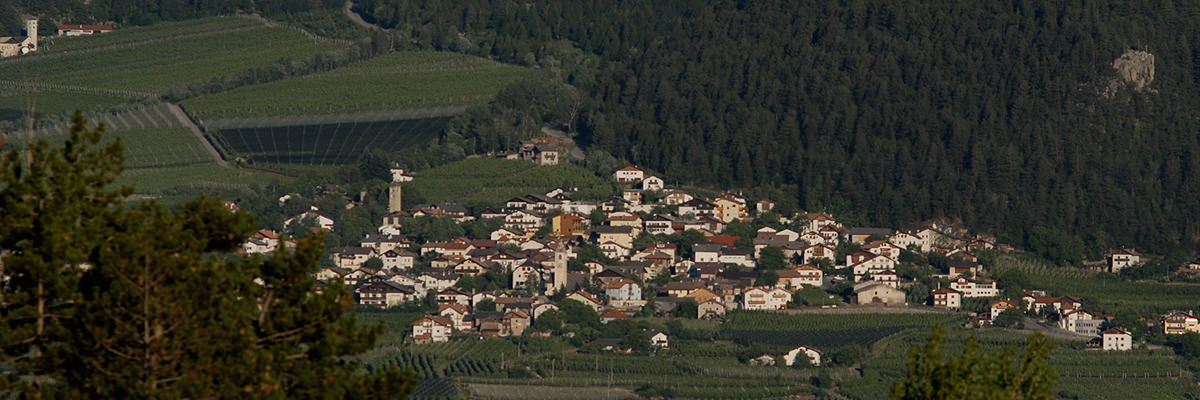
(866, 231)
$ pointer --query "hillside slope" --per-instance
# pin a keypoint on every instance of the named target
(1008, 115)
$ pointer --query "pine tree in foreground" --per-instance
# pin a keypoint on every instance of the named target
(104, 300)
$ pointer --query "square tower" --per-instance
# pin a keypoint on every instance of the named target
(31, 30)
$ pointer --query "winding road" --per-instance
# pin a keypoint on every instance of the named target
(358, 18)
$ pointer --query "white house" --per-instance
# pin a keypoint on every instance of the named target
(432, 329)
(1116, 339)
(813, 356)
(947, 298)
(970, 288)
(1178, 323)
(319, 220)
(629, 174)
(653, 183)
(623, 289)
(765, 298)
(659, 338)
(396, 259)
(799, 276)
(82, 30)
(1122, 259)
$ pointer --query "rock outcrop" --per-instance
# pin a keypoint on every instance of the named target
(1135, 69)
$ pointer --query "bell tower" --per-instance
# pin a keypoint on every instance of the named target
(31, 30)
(395, 192)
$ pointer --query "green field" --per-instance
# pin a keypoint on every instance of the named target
(400, 81)
(491, 182)
(151, 61)
(193, 180)
(14, 105)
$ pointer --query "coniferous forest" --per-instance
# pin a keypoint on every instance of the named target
(1008, 115)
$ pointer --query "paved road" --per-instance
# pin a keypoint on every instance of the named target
(186, 121)
(575, 151)
(358, 18)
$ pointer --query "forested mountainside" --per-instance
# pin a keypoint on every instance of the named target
(519, 31)
(141, 12)
(1008, 115)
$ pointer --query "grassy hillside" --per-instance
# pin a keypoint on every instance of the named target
(491, 182)
(400, 81)
(151, 61)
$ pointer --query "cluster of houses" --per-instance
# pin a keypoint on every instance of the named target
(717, 275)
(1070, 316)
(540, 234)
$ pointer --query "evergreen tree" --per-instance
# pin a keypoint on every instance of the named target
(104, 301)
(976, 375)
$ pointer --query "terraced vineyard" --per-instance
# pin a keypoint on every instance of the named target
(152, 138)
(399, 81)
(326, 144)
(146, 62)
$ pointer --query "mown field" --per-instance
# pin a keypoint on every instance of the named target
(490, 182)
(399, 81)
(150, 61)
(328, 144)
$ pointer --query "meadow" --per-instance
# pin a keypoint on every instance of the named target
(398, 81)
(155, 60)
(489, 182)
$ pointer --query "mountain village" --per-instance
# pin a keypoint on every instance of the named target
(541, 238)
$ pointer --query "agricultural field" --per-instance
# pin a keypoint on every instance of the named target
(151, 61)
(829, 331)
(1103, 292)
(179, 183)
(399, 81)
(327, 144)
(477, 182)
(152, 138)
(1084, 374)
(15, 105)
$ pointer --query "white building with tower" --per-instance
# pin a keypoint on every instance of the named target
(18, 45)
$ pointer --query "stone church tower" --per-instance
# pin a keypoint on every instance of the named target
(395, 192)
